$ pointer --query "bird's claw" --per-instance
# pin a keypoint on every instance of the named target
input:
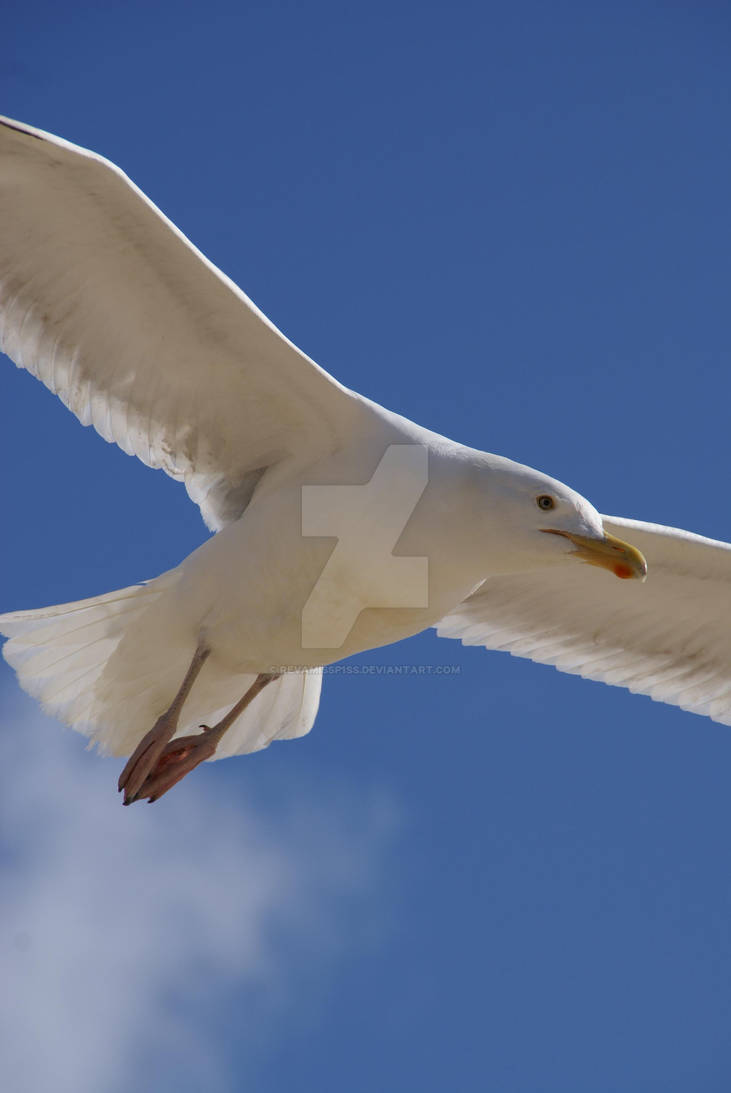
(144, 759)
(175, 760)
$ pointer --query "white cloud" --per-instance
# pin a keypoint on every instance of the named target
(125, 932)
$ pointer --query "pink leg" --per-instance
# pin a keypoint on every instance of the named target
(181, 756)
(151, 746)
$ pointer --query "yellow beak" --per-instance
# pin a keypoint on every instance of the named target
(620, 558)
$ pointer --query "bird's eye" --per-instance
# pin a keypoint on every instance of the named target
(545, 502)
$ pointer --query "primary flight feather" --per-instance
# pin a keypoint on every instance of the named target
(341, 526)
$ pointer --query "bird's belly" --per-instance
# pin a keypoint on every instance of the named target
(264, 596)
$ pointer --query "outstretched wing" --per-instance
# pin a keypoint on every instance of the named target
(669, 638)
(110, 306)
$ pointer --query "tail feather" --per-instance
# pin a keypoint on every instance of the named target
(60, 652)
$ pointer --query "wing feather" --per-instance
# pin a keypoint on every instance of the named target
(106, 302)
(668, 638)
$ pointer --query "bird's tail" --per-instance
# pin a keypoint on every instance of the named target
(110, 665)
(60, 653)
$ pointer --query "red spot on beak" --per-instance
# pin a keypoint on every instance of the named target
(623, 572)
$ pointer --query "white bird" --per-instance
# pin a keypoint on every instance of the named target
(341, 526)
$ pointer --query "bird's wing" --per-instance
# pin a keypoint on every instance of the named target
(110, 306)
(669, 638)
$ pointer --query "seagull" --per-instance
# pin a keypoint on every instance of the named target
(340, 526)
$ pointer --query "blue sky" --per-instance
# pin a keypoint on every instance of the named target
(511, 223)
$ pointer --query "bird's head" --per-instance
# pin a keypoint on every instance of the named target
(543, 522)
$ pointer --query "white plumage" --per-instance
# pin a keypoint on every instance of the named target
(110, 306)
(89, 664)
(668, 638)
